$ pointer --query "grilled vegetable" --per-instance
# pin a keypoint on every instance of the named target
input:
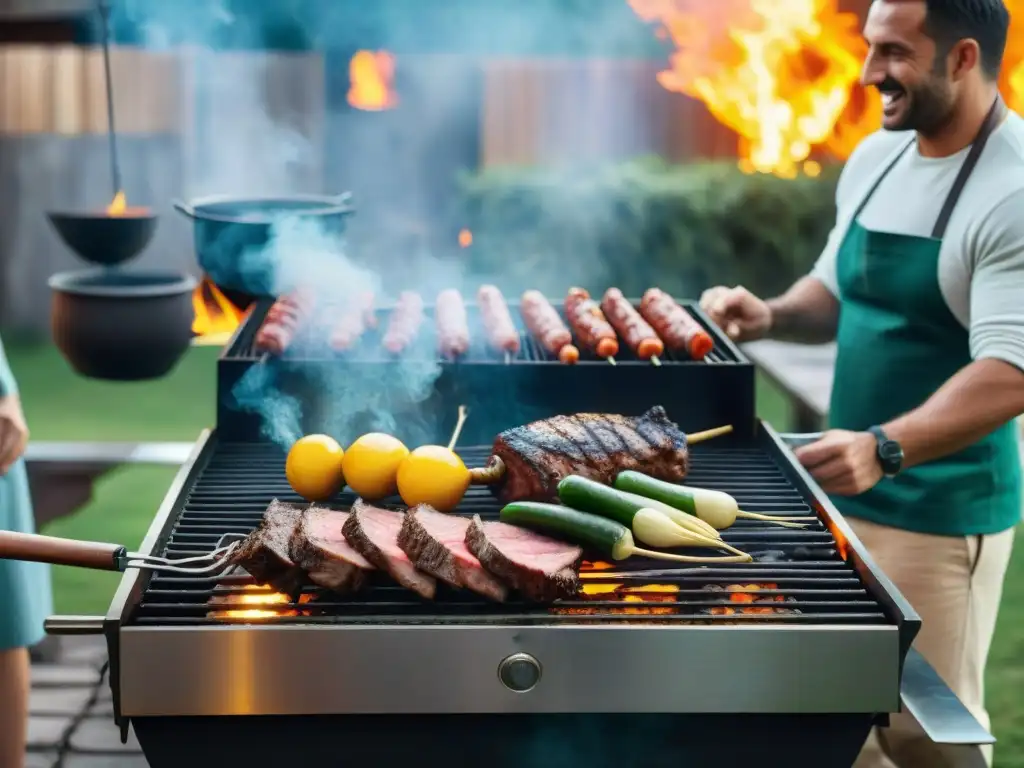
(716, 508)
(590, 496)
(315, 467)
(371, 465)
(601, 534)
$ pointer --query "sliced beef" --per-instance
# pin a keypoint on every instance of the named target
(542, 568)
(320, 549)
(373, 532)
(539, 455)
(436, 544)
(264, 553)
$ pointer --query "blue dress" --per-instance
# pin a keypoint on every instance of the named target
(26, 595)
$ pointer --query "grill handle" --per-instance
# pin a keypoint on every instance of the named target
(35, 548)
(941, 715)
(73, 625)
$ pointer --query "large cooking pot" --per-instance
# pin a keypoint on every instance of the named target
(231, 234)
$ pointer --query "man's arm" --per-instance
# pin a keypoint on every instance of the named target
(988, 392)
(807, 313)
(975, 402)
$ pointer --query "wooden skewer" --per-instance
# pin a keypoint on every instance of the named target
(655, 361)
(508, 357)
(458, 428)
(707, 434)
(611, 360)
(264, 358)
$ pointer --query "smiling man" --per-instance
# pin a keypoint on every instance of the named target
(921, 284)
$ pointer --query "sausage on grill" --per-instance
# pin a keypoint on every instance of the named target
(545, 325)
(283, 321)
(501, 331)
(353, 322)
(452, 324)
(589, 323)
(630, 325)
(404, 323)
(674, 324)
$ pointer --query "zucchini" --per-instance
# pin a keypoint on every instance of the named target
(715, 508)
(591, 496)
(601, 534)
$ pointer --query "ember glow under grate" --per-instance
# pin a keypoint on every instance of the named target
(799, 575)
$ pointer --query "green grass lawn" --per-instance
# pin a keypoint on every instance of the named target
(61, 406)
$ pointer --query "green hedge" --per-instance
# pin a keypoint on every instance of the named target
(683, 227)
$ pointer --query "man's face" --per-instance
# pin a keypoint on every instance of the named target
(905, 65)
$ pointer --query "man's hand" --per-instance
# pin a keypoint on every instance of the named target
(738, 312)
(13, 432)
(844, 463)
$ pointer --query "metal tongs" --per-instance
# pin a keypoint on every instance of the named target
(100, 556)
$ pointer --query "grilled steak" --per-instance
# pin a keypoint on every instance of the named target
(264, 552)
(541, 568)
(373, 533)
(436, 544)
(320, 549)
(596, 445)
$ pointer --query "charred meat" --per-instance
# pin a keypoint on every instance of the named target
(543, 569)
(373, 532)
(436, 544)
(537, 456)
(320, 549)
(265, 555)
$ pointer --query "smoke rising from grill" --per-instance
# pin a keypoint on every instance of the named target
(401, 165)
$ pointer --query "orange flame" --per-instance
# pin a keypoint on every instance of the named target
(118, 205)
(216, 318)
(259, 602)
(465, 238)
(784, 74)
(371, 74)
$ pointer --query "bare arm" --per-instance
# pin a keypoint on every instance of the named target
(807, 313)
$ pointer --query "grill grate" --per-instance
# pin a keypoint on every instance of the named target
(799, 571)
(311, 347)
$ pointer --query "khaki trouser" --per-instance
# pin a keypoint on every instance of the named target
(955, 585)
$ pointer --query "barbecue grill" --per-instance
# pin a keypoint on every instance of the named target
(788, 660)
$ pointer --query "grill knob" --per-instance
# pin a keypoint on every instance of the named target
(519, 672)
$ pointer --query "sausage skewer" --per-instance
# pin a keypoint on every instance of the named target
(591, 326)
(631, 326)
(547, 327)
(452, 324)
(501, 330)
(674, 324)
(283, 321)
(404, 323)
(353, 322)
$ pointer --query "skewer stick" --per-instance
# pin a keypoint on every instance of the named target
(707, 434)
(611, 360)
(264, 358)
(508, 357)
(655, 361)
(458, 428)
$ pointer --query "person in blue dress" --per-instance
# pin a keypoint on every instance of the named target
(26, 598)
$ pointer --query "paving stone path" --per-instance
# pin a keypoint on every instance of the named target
(71, 721)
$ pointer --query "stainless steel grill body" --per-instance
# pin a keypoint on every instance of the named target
(389, 652)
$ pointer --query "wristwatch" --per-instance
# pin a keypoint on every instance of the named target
(889, 452)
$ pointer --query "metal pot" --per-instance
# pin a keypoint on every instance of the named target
(122, 325)
(231, 233)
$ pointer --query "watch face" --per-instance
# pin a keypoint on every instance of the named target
(891, 455)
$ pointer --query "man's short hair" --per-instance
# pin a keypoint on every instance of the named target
(985, 21)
